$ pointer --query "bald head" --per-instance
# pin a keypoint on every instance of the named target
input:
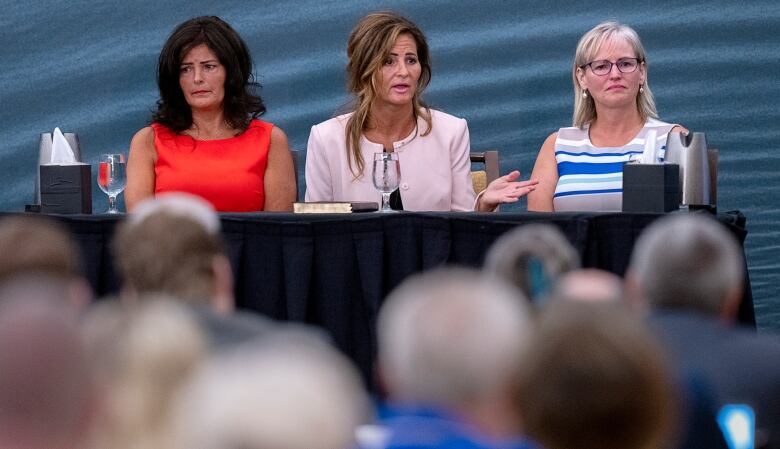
(589, 285)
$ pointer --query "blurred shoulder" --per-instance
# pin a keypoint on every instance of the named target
(338, 123)
(675, 127)
(445, 124)
(277, 134)
(550, 140)
(144, 137)
(570, 133)
(440, 118)
(144, 132)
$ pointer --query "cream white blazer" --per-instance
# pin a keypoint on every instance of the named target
(435, 169)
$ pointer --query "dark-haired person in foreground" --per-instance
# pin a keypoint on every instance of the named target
(205, 137)
(595, 378)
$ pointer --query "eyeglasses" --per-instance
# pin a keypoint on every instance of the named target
(602, 67)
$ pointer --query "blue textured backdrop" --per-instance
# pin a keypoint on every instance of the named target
(89, 67)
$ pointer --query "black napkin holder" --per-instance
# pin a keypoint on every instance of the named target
(66, 189)
(651, 187)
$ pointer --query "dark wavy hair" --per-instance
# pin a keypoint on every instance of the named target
(241, 104)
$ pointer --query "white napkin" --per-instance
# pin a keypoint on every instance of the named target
(650, 155)
(61, 152)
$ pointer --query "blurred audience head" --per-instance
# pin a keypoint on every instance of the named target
(46, 393)
(532, 257)
(589, 285)
(37, 252)
(141, 357)
(171, 245)
(594, 378)
(450, 339)
(241, 101)
(688, 262)
(288, 390)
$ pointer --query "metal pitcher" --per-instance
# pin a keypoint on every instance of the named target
(690, 153)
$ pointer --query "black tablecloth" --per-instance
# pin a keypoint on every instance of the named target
(334, 270)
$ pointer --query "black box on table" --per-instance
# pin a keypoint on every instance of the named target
(651, 187)
(66, 189)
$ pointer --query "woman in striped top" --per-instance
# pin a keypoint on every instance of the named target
(580, 168)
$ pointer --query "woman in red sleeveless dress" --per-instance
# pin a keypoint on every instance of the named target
(205, 137)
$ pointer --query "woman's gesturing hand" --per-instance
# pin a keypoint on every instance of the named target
(504, 190)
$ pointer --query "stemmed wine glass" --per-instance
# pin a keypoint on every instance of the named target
(112, 178)
(386, 177)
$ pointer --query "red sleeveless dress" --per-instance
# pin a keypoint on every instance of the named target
(226, 172)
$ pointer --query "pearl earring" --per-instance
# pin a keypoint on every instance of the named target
(641, 90)
(584, 94)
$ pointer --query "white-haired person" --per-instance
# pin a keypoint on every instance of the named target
(449, 348)
(689, 271)
(580, 168)
(287, 390)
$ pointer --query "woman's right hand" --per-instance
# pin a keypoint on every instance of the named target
(140, 168)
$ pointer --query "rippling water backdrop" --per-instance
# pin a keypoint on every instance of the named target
(89, 67)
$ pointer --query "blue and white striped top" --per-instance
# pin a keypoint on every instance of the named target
(590, 178)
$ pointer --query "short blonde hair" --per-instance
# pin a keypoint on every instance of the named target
(589, 45)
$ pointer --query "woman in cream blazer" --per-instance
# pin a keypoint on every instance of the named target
(388, 68)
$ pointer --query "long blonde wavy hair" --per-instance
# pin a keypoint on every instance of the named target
(368, 47)
(589, 45)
